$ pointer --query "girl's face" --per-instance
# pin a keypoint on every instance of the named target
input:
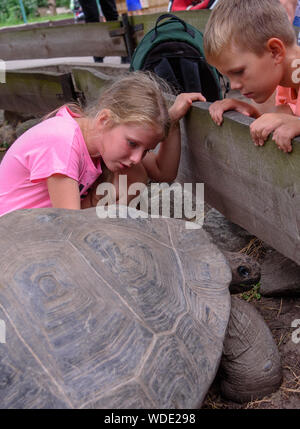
(123, 146)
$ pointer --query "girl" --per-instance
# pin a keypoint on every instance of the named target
(55, 163)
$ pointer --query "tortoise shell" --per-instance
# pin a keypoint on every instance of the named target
(108, 313)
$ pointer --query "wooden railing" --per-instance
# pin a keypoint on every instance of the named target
(61, 39)
(257, 188)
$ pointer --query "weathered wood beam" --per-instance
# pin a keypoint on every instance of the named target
(46, 23)
(62, 41)
(257, 188)
(89, 83)
(61, 66)
(36, 93)
(52, 39)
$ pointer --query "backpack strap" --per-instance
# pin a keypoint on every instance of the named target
(173, 18)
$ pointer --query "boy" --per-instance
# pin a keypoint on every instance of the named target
(254, 44)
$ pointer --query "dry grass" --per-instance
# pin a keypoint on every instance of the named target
(257, 403)
(292, 384)
(255, 248)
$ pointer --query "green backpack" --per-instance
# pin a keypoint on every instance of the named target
(174, 51)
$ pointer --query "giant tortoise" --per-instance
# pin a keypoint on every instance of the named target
(118, 313)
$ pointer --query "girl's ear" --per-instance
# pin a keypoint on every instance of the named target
(277, 49)
(103, 118)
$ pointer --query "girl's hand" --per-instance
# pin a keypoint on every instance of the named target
(217, 109)
(183, 103)
(284, 127)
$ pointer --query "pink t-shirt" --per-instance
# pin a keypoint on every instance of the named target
(55, 145)
(288, 96)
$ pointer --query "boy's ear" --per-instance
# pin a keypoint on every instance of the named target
(277, 48)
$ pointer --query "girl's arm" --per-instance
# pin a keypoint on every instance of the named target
(63, 192)
(163, 166)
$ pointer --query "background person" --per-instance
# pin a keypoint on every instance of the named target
(134, 7)
(91, 13)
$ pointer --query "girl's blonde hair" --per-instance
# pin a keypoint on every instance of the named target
(248, 24)
(137, 98)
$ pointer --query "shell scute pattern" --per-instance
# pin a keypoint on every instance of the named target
(108, 313)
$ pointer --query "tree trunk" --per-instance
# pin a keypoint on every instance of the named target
(52, 6)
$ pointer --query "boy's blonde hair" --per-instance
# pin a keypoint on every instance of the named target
(248, 24)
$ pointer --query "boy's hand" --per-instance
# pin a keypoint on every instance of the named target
(217, 109)
(284, 127)
(182, 104)
(263, 126)
(284, 134)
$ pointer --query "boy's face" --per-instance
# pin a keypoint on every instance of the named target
(255, 76)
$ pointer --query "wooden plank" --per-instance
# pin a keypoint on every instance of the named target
(257, 188)
(62, 41)
(90, 82)
(66, 66)
(47, 23)
(38, 92)
(35, 93)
